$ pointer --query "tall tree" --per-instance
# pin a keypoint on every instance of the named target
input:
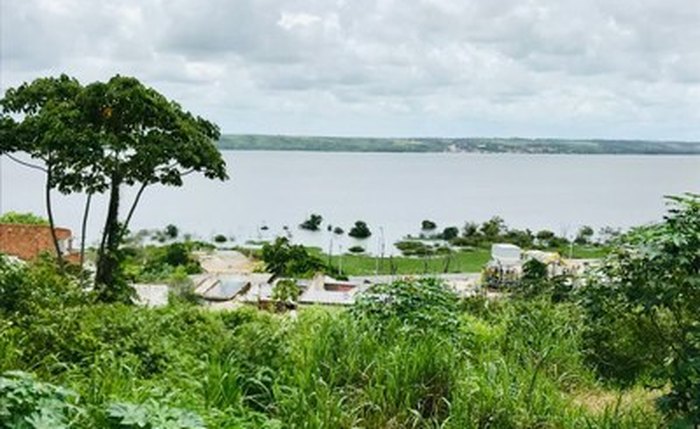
(100, 138)
(146, 139)
(42, 120)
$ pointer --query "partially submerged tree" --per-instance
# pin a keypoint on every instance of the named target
(360, 230)
(428, 225)
(312, 223)
(105, 136)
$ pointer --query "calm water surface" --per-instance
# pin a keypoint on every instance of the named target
(391, 192)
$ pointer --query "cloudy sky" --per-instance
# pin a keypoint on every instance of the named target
(532, 68)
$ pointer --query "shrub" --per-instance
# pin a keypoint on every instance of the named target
(449, 233)
(423, 304)
(158, 263)
(30, 288)
(414, 248)
(289, 260)
(23, 218)
(652, 283)
(537, 282)
(286, 292)
(360, 230)
(220, 238)
(356, 249)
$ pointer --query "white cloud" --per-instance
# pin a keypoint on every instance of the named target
(577, 68)
(290, 20)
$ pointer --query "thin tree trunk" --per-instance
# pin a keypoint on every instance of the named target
(125, 227)
(83, 230)
(49, 212)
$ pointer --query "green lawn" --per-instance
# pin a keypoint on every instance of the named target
(459, 262)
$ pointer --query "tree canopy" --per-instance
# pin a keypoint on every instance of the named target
(102, 136)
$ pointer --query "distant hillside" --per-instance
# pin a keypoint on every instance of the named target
(481, 145)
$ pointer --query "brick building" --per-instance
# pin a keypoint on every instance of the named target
(29, 241)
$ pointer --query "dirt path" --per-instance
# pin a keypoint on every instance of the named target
(225, 262)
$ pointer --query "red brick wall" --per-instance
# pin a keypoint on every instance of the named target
(28, 241)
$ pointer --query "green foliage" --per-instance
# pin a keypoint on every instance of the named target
(515, 367)
(220, 238)
(584, 235)
(171, 231)
(493, 228)
(26, 289)
(151, 415)
(651, 285)
(29, 404)
(414, 248)
(428, 225)
(356, 249)
(289, 260)
(360, 230)
(422, 304)
(449, 233)
(338, 230)
(286, 292)
(536, 281)
(23, 218)
(159, 263)
(105, 135)
(407, 355)
(312, 223)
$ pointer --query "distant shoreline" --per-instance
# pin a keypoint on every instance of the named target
(541, 146)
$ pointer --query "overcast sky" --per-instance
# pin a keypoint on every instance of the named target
(532, 68)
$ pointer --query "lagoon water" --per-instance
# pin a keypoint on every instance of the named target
(391, 192)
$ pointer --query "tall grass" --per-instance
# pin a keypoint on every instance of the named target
(514, 366)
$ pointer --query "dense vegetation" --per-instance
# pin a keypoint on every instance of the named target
(378, 366)
(473, 144)
(474, 236)
(409, 354)
(23, 218)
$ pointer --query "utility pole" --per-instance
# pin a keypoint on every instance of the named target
(330, 252)
(381, 234)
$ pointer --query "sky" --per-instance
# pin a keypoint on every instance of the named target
(624, 69)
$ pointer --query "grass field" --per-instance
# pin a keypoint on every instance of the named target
(463, 261)
(458, 262)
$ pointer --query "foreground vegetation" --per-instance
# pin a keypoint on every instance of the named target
(619, 350)
(426, 362)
